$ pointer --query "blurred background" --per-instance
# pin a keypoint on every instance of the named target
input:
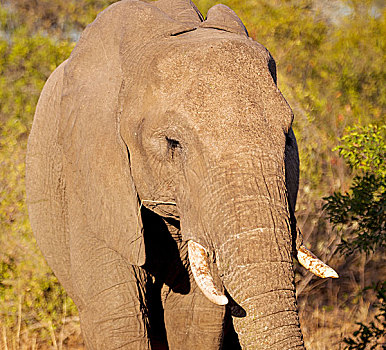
(330, 56)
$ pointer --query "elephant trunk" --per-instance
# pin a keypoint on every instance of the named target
(263, 285)
(271, 320)
(253, 245)
(257, 270)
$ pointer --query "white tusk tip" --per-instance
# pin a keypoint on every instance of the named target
(313, 264)
(221, 300)
(331, 273)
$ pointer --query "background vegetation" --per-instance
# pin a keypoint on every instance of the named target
(331, 68)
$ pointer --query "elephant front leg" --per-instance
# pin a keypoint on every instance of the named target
(110, 295)
(191, 320)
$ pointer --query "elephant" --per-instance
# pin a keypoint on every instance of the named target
(162, 176)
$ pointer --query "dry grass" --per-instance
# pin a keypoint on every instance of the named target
(329, 309)
(322, 330)
(325, 329)
(29, 338)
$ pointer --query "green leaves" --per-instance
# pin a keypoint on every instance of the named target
(361, 211)
(360, 214)
(364, 149)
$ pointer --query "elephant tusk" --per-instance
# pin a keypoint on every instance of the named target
(199, 265)
(314, 264)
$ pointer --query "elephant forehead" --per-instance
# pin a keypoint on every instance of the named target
(225, 89)
(219, 57)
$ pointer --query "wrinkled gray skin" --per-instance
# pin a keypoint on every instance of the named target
(162, 127)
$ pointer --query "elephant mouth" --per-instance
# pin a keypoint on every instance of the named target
(199, 264)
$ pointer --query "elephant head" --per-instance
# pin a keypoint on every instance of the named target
(161, 115)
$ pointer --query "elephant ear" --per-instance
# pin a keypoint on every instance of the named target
(291, 169)
(102, 198)
(291, 159)
(101, 195)
(223, 18)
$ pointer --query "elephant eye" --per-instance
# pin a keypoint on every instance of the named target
(173, 146)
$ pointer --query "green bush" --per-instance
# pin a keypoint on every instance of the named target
(360, 215)
(361, 210)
